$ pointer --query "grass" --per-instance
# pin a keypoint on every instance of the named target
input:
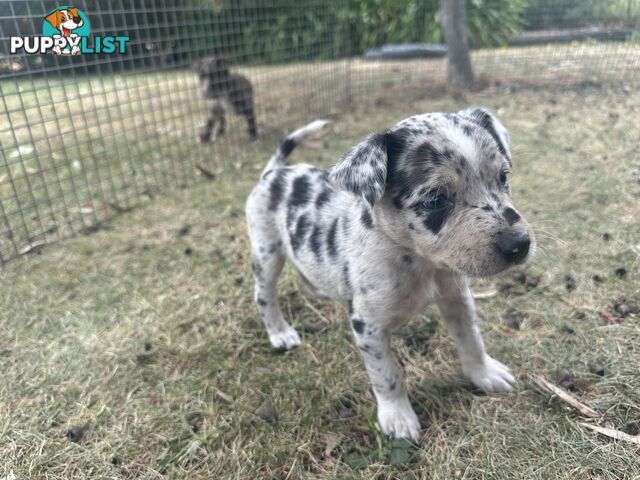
(136, 352)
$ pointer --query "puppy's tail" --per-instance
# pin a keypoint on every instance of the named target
(291, 141)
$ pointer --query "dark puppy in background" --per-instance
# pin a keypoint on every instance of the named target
(229, 92)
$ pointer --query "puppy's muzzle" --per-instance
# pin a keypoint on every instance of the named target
(513, 246)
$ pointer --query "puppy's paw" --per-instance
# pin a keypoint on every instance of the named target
(285, 340)
(398, 420)
(491, 376)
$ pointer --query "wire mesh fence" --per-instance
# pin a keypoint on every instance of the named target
(85, 136)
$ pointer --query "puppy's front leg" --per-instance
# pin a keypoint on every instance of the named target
(458, 310)
(395, 414)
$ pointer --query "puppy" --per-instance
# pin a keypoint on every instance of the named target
(402, 220)
(66, 21)
(229, 92)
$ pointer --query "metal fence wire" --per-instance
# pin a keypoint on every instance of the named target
(85, 136)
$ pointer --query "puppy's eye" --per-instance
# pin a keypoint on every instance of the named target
(435, 201)
(503, 178)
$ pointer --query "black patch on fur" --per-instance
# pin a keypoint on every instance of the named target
(367, 221)
(324, 197)
(428, 153)
(393, 143)
(331, 239)
(257, 269)
(348, 173)
(487, 208)
(485, 121)
(302, 226)
(408, 259)
(275, 246)
(276, 189)
(365, 348)
(411, 226)
(510, 215)
(287, 146)
(358, 325)
(315, 242)
(494, 197)
(437, 218)
(262, 302)
(301, 192)
(345, 276)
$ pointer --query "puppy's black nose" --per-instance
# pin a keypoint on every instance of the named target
(76, 20)
(513, 247)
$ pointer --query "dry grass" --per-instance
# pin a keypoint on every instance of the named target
(144, 333)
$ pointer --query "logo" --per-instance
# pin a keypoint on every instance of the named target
(66, 31)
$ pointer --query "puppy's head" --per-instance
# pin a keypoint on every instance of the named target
(440, 186)
(213, 67)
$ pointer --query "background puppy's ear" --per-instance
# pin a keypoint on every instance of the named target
(491, 124)
(363, 169)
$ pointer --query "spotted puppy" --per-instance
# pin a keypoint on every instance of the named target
(399, 222)
(229, 91)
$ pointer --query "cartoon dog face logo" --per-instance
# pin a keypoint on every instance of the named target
(65, 21)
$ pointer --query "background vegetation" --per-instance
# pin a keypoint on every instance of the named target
(301, 30)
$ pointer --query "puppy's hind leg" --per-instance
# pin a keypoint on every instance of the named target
(251, 124)
(267, 260)
(205, 134)
(218, 115)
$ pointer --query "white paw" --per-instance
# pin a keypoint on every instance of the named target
(491, 376)
(398, 420)
(285, 340)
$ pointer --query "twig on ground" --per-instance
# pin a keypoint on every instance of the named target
(118, 208)
(482, 294)
(205, 172)
(315, 310)
(32, 247)
(610, 432)
(566, 397)
(222, 395)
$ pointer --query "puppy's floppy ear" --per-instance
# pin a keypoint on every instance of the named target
(491, 124)
(73, 12)
(54, 19)
(363, 169)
